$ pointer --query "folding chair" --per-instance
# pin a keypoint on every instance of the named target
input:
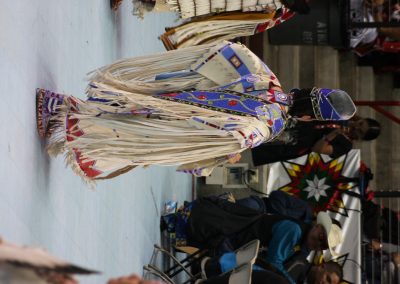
(246, 255)
(194, 255)
(239, 275)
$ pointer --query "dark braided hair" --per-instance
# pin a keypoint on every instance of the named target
(302, 105)
(374, 129)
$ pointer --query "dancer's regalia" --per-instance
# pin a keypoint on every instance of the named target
(194, 108)
(211, 21)
(245, 21)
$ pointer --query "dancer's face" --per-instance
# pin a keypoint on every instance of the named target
(358, 129)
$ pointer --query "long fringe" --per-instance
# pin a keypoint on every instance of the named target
(171, 140)
(145, 67)
(194, 8)
(207, 32)
(136, 101)
(70, 160)
(138, 74)
(117, 131)
(56, 141)
(56, 144)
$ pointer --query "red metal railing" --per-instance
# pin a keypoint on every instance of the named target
(378, 106)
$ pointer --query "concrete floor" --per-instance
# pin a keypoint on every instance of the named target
(53, 44)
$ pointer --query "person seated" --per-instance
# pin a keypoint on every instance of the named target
(368, 39)
(219, 224)
(380, 222)
(257, 277)
(284, 240)
(385, 11)
(280, 202)
(382, 262)
(329, 272)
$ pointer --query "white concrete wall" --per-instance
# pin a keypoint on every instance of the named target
(53, 44)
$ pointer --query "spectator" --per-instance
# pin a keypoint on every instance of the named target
(216, 223)
(280, 202)
(303, 272)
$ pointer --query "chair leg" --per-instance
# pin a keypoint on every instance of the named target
(153, 256)
(188, 261)
(155, 271)
(178, 263)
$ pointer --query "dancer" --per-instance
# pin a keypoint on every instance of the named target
(216, 20)
(212, 21)
(197, 108)
(213, 28)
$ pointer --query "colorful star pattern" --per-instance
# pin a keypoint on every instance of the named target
(318, 182)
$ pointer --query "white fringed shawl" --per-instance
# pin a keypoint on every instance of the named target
(195, 8)
(116, 135)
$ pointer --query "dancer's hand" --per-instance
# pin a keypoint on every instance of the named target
(332, 135)
(323, 145)
(234, 159)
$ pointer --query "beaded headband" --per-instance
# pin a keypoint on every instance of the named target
(331, 104)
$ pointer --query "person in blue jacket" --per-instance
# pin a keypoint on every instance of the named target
(302, 273)
(218, 224)
(283, 238)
